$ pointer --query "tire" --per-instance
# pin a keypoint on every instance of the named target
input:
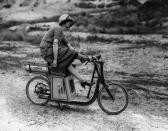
(108, 103)
(38, 90)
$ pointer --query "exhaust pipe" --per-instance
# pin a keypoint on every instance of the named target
(36, 69)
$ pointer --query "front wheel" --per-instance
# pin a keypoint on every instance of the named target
(38, 90)
(113, 99)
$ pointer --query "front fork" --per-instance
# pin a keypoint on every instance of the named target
(100, 76)
(108, 92)
(93, 76)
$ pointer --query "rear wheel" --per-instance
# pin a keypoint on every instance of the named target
(38, 90)
(113, 99)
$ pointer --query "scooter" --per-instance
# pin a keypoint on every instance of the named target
(55, 84)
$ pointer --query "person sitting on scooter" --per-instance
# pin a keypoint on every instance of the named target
(57, 52)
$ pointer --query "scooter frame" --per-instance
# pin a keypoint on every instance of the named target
(98, 68)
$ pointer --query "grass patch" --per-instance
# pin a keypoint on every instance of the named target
(9, 62)
(96, 38)
(85, 5)
(8, 35)
(8, 47)
(35, 39)
(142, 44)
(90, 49)
(144, 61)
(121, 21)
(75, 43)
(9, 24)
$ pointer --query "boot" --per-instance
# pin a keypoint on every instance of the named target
(85, 83)
(83, 60)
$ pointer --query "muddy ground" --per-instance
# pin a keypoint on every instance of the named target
(137, 59)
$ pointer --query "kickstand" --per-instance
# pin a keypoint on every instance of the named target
(60, 106)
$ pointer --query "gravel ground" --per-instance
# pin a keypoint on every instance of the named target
(18, 113)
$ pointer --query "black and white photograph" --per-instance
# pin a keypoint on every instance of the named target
(83, 65)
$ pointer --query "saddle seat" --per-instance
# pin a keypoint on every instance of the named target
(58, 71)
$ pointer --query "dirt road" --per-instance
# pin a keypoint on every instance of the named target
(124, 58)
(18, 114)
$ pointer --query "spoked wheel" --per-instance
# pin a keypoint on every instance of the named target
(113, 99)
(38, 90)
